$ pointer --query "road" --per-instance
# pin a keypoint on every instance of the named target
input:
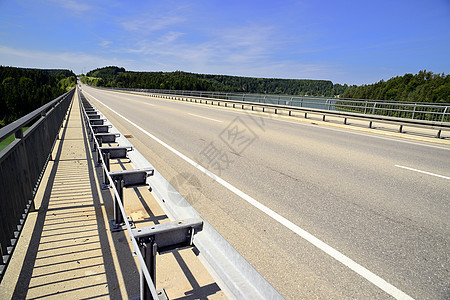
(350, 214)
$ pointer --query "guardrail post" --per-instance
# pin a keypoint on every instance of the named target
(106, 159)
(400, 129)
(373, 109)
(118, 218)
(148, 249)
(414, 111)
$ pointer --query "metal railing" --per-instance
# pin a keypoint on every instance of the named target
(22, 164)
(294, 110)
(237, 278)
(400, 109)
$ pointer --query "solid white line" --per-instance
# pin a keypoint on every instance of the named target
(424, 172)
(204, 117)
(348, 262)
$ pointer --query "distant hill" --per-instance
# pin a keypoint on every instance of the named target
(119, 77)
(422, 87)
(23, 90)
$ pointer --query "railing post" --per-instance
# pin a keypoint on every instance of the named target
(118, 218)
(148, 249)
(443, 114)
(414, 111)
(106, 158)
(18, 134)
(373, 109)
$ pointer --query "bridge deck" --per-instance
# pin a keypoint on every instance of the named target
(66, 248)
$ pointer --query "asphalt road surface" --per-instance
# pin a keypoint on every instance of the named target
(320, 212)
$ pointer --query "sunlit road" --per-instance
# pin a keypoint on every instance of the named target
(377, 209)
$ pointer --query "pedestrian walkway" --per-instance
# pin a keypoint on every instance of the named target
(68, 252)
(66, 248)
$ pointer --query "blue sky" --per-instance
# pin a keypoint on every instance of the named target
(353, 42)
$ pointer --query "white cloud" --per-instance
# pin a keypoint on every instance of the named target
(72, 5)
(77, 61)
(148, 23)
(105, 43)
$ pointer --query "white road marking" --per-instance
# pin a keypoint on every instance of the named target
(424, 172)
(204, 117)
(348, 262)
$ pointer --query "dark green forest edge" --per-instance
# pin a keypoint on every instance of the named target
(422, 87)
(24, 90)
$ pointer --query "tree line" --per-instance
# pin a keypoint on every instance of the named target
(422, 87)
(178, 80)
(24, 90)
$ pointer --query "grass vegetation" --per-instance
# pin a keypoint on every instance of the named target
(9, 139)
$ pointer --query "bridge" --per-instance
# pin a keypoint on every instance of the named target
(306, 202)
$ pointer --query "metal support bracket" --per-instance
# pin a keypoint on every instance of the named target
(97, 121)
(92, 113)
(91, 117)
(107, 137)
(126, 179)
(108, 153)
(163, 238)
(101, 128)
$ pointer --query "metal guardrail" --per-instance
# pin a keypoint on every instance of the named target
(235, 276)
(371, 111)
(22, 164)
(400, 109)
